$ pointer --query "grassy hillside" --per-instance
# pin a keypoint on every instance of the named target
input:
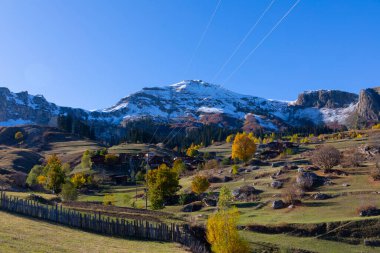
(19, 234)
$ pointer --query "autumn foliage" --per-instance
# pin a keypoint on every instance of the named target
(222, 233)
(243, 147)
(199, 184)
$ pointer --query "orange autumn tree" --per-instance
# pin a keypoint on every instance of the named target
(243, 147)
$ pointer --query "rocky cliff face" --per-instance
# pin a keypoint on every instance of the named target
(331, 99)
(369, 104)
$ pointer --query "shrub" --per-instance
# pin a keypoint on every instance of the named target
(291, 195)
(225, 197)
(140, 176)
(109, 200)
(222, 233)
(352, 158)
(179, 166)
(211, 165)
(78, 180)
(326, 157)
(377, 126)
(19, 136)
(200, 184)
(226, 161)
(235, 169)
(69, 192)
(111, 159)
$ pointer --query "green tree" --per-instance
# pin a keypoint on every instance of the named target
(55, 176)
(162, 183)
(224, 197)
(36, 171)
(86, 162)
(179, 166)
(69, 192)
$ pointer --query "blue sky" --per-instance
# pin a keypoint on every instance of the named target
(91, 53)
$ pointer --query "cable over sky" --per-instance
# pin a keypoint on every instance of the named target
(203, 36)
(261, 41)
(243, 40)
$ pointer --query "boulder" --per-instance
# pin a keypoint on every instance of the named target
(278, 204)
(209, 202)
(369, 212)
(321, 196)
(276, 184)
(214, 180)
(315, 179)
(227, 179)
(192, 207)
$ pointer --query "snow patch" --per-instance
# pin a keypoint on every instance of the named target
(15, 122)
(209, 110)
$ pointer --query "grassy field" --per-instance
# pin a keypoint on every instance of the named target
(287, 243)
(19, 234)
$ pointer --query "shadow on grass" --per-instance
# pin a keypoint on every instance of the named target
(318, 204)
(247, 205)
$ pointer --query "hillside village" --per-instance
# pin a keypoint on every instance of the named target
(281, 185)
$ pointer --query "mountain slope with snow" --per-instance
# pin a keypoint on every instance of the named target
(192, 99)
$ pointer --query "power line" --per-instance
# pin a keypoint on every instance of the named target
(203, 36)
(262, 41)
(244, 39)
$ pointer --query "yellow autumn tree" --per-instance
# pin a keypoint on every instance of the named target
(222, 232)
(230, 138)
(243, 147)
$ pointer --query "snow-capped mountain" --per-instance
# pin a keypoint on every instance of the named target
(199, 102)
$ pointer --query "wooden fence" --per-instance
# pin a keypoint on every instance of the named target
(104, 225)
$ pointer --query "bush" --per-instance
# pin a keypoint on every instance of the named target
(109, 200)
(19, 136)
(200, 184)
(179, 166)
(79, 180)
(69, 192)
(326, 157)
(291, 195)
(352, 158)
(111, 159)
(211, 165)
(377, 126)
(235, 169)
(226, 161)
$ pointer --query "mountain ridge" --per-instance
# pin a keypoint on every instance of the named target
(197, 100)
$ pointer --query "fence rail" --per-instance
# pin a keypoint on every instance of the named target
(97, 223)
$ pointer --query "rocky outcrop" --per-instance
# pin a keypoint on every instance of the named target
(326, 99)
(369, 104)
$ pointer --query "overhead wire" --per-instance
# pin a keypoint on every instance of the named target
(253, 28)
(262, 41)
(202, 36)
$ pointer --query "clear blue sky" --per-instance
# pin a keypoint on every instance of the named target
(91, 53)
